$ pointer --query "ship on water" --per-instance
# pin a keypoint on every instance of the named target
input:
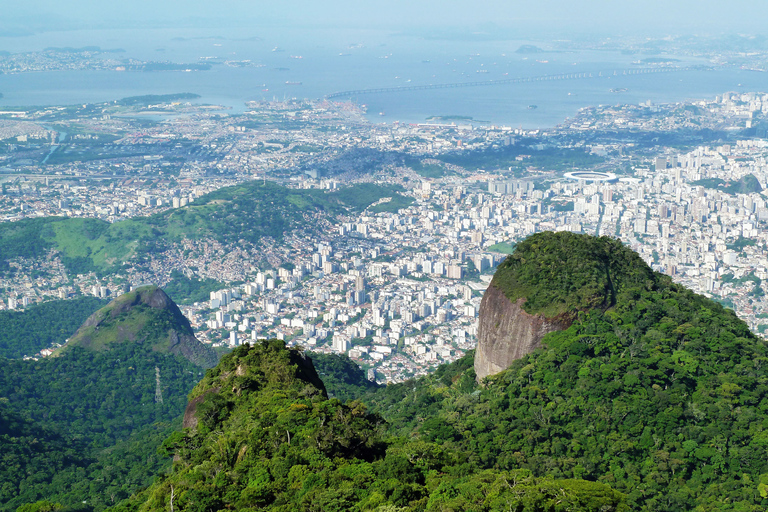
(290, 82)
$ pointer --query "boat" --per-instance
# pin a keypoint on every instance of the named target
(619, 89)
(532, 107)
(289, 82)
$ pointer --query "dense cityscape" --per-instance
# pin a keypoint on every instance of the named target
(398, 287)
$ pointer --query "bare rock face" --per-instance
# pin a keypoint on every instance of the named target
(506, 332)
(190, 418)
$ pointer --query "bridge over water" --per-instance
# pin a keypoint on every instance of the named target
(542, 78)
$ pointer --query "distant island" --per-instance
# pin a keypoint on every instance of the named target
(157, 98)
(172, 66)
(658, 60)
(529, 48)
(69, 49)
(201, 38)
(450, 118)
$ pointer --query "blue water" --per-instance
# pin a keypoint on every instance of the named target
(340, 60)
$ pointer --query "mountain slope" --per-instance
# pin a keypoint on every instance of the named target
(542, 286)
(103, 407)
(261, 434)
(246, 212)
(90, 420)
(145, 315)
(660, 393)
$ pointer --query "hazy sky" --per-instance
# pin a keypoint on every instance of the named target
(603, 16)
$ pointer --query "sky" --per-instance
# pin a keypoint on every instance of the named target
(551, 16)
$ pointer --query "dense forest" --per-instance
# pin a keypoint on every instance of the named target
(654, 390)
(84, 426)
(37, 327)
(88, 423)
(266, 436)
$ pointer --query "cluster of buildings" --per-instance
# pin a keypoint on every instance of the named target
(400, 292)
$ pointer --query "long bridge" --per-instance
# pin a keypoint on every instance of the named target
(542, 78)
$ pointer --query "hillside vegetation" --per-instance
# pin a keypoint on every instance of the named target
(653, 399)
(88, 423)
(263, 435)
(561, 273)
(654, 390)
(146, 316)
(242, 213)
(37, 327)
(85, 426)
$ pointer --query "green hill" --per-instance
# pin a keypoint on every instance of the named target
(654, 390)
(247, 212)
(261, 434)
(144, 316)
(654, 398)
(85, 425)
(747, 184)
(562, 273)
(91, 423)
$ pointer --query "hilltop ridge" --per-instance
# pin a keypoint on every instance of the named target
(145, 315)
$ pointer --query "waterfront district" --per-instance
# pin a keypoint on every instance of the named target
(397, 287)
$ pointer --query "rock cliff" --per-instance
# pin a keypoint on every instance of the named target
(542, 286)
(506, 332)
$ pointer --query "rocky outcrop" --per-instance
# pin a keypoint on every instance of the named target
(506, 332)
(188, 347)
(190, 413)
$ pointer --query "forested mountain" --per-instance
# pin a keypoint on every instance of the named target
(262, 434)
(654, 390)
(651, 398)
(145, 315)
(85, 426)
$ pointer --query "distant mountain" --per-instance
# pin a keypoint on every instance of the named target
(243, 213)
(529, 49)
(145, 316)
